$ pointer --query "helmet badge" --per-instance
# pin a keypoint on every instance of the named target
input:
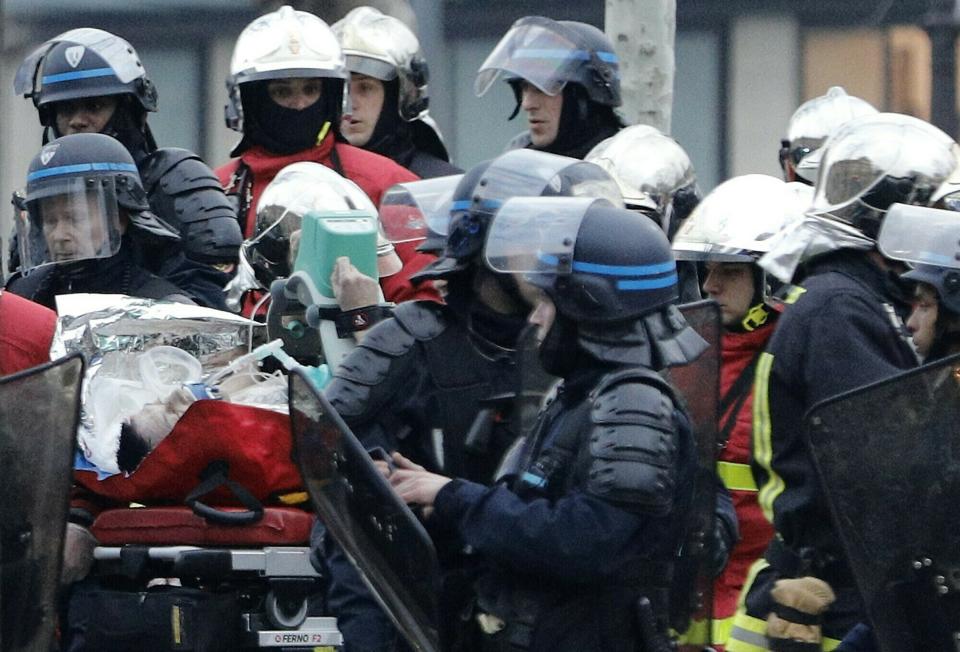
(293, 44)
(74, 55)
(48, 152)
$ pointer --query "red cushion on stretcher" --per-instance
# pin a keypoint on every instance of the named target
(280, 526)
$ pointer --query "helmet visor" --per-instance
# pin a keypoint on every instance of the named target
(895, 152)
(527, 173)
(69, 220)
(535, 236)
(411, 211)
(534, 51)
(920, 235)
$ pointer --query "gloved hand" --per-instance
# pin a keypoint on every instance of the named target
(78, 548)
(352, 288)
(800, 603)
(723, 543)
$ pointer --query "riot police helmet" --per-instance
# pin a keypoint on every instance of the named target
(550, 54)
(609, 272)
(482, 190)
(80, 190)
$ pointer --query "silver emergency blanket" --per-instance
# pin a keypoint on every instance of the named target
(806, 238)
(113, 331)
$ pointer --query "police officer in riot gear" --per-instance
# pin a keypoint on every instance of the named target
(656, 178)
(728, 232)
(88, 80)
(84, 222)
(578, 538)
(844, 331)
(810, 126)
(439, 367)
(565, 76)
(388, 93)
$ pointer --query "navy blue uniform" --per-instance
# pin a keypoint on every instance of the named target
(844, 332)
(566, 565)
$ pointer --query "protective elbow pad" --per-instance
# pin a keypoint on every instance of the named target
(633, 443)
(186, 193)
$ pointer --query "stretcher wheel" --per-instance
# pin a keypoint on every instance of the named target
(285, 613)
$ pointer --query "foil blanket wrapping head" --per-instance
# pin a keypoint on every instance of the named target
(111, 330)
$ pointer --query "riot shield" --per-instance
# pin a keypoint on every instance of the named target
(39, 413)
(378, 532)
(888, 458)
(698, 385)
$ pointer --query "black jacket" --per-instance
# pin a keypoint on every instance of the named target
(845, 331)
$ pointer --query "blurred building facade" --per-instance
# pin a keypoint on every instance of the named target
(742, 67)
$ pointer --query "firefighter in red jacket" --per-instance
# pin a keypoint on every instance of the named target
(286, 89)
(730, 229)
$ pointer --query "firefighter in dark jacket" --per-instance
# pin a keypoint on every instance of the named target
(846, 330)
(579, 535)
(388, 94)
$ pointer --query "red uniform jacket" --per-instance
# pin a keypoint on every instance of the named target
(26, 329)
(738, 350)
(372, 172)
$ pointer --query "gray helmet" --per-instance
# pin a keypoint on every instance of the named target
(810, 126)
(876, 161)
(550, 54)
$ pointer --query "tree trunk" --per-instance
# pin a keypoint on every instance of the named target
(643, 33)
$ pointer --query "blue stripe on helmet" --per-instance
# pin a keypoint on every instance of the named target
(460, 205)
(563, 54)
(935, 258)
(77, 74)
(81, 167)
(651, 284)
(465, 204)
(625, 270)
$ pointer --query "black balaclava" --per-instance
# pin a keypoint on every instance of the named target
(391, 135)
(583, 122)
(502, 330)
(281, 130)
(560, 352)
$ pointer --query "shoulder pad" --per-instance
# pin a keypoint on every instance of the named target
(633, 442)
(373, 372)
(185, 193)
(176, 170)
(422, 319)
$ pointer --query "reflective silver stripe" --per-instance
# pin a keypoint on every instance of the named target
(746, 636)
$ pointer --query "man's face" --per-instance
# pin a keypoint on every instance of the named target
(366, 98)
(923, 318)
(543, 114)
(543, 315)
(296, 93)
(74, 229)
(731, 286)
(84, 115)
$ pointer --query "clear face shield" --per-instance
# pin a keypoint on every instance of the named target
(535, 51)
(921, 236)
(412, 212)
(68, 220)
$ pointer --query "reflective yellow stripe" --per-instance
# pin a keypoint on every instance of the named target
(295, 498)
(697, 632)
(793, 294)
(762, 436)
(736, 477)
